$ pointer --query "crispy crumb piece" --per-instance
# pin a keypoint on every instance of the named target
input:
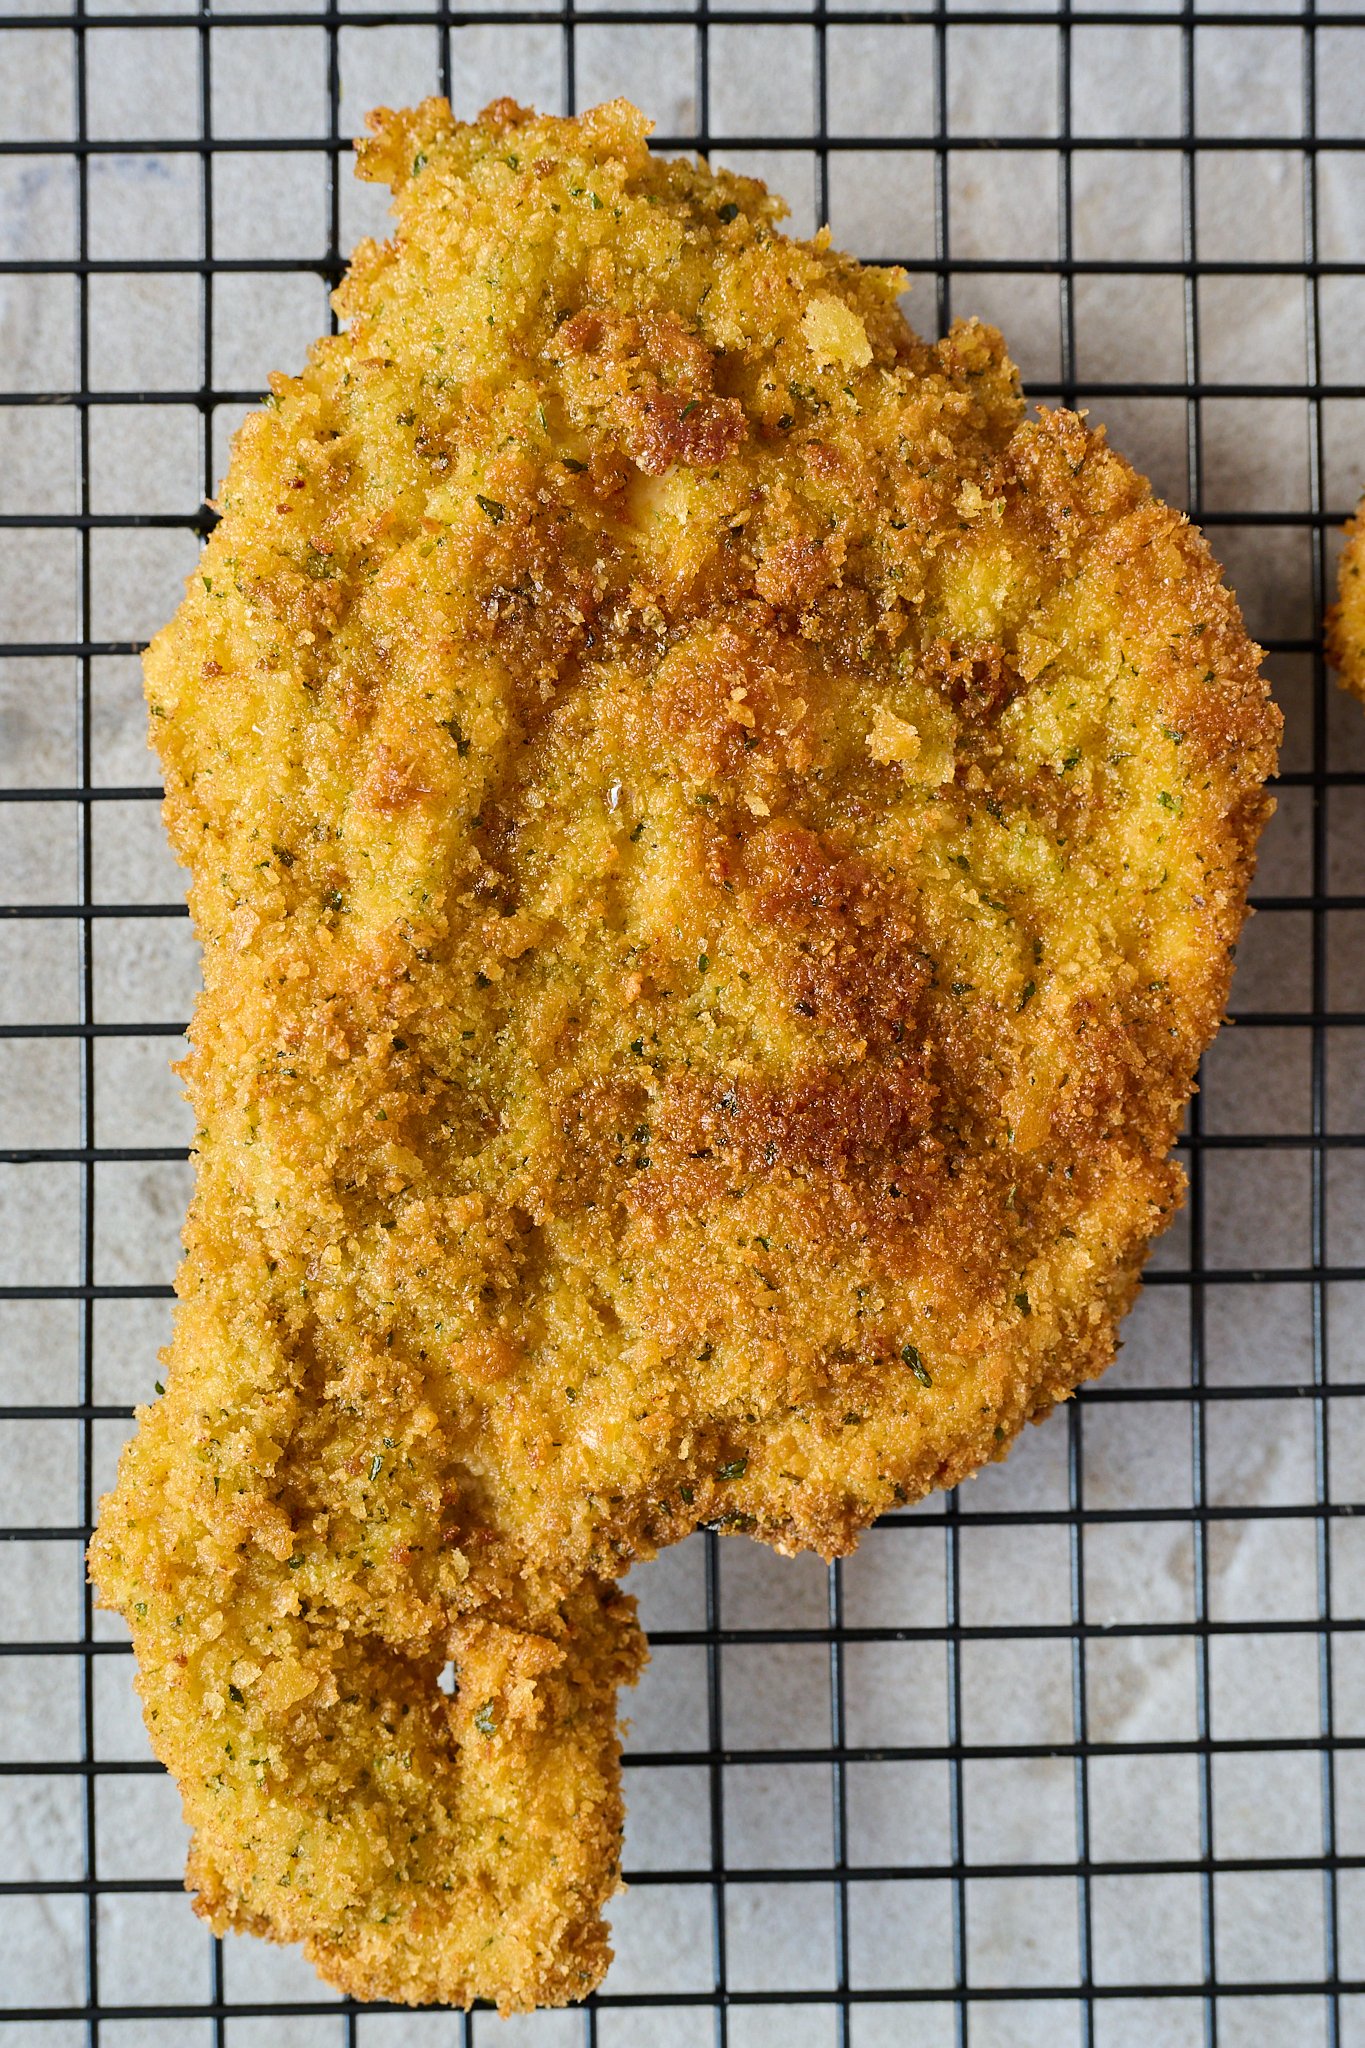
(892, 738)
(834, 333)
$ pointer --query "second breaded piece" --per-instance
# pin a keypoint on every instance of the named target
(718, 845)
(1346, 619)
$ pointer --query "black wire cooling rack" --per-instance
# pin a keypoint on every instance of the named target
(1075, 1755)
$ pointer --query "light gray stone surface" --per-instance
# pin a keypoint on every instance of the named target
(145, 332)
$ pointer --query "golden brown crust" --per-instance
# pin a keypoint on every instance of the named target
(718, 845)
(1346, 619)
(421, 1846)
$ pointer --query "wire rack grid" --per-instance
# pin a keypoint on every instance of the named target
(1077, 1755)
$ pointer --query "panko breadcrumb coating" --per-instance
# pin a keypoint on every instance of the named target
(718, 845)
(1346, 619)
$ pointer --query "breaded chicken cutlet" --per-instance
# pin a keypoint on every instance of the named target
(1346, 619)
(718, 845)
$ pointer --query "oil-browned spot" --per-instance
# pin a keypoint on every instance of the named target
(395, 782)
(657, 377)
(668, 427)
(796, 572)
(976, 675)
(850, 957)
(822, 1119)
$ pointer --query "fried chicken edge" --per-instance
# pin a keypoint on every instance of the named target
(1345, 625)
